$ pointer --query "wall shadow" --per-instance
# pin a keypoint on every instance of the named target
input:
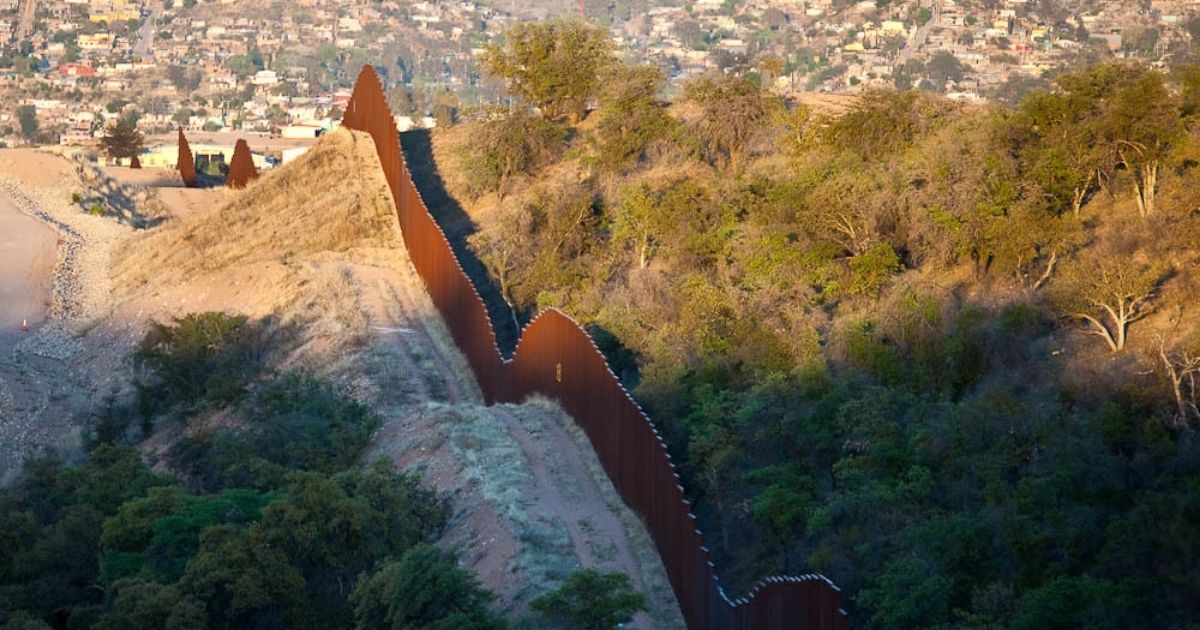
(417, 145)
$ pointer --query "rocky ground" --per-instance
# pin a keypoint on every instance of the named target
(44, 391)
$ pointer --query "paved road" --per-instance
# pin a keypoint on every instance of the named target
(145, 41)
(920, 36)
(25, 19)
(27, 257)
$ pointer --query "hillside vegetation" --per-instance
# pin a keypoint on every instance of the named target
(294, 443)
(944, 354)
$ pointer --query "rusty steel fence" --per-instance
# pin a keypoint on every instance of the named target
(556, 358)
(241, 167)
(186, 163)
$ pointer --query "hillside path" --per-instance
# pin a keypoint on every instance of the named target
(27, 258)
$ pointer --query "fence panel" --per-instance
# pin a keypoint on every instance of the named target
(241, 167)
(185, 162)
(556, 358)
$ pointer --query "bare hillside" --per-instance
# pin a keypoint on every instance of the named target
(312, 250)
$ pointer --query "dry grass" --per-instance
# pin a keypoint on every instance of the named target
(333, 199)
(664, 608)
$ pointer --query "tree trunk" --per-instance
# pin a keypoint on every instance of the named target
(1145, 182)
(1049, 271)
(1149, 185)
(1081, 192)
(1176, 382)
(1179, 373)
(1100, 330)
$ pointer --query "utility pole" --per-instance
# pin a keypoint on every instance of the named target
(582, 12)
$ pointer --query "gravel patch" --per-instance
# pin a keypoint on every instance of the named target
(82, 289)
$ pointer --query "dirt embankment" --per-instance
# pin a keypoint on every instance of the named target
(46, 388)
(313, 250)
(27, 257)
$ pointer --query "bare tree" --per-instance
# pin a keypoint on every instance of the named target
(1108, 297)
(504, 249)
(1182, 367)
(1145, 171)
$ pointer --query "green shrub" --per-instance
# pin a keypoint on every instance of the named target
(872, 269)
(424, 589)
(868, 350)
(294, 423)
(591, 600)
(1020, 318)
(97, 210)
(200, 360)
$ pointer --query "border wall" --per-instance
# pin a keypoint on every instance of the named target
(556, 358)
(186, 163)
(241, 168)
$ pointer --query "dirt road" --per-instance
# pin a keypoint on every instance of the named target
(25, 19)
(145, 37)
(27, 257)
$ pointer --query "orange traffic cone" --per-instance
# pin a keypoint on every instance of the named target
(24, 325)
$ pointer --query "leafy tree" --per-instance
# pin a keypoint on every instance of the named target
(154, 537)
(630, 118)
(138, 605)
(515, 143)
(735, 112)
(425, 588)
(1135, 120)
(52, 522)
(554, 65)
(1142, 125)
(1075, 601)
(122, 141)
(199, 359)
(1017, 86)
(242, 65)
(944, 67)
(245, 581)
(27, 117)
(784, 503)
(638, 223)
(881, 124)
(873, 268)
(1060, 151)
(591, 600)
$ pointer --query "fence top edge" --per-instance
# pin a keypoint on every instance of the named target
(368, 73)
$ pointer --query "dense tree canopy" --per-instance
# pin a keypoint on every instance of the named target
(122, 140)
(941, 353)
(275, 525)
(554, 65)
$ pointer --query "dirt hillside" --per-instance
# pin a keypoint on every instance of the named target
(312, 250)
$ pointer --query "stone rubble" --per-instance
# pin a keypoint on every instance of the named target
(43, 386)
(81, 283)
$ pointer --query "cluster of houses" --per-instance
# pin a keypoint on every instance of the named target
(838, 46)
(284, 67)
(264, 66)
